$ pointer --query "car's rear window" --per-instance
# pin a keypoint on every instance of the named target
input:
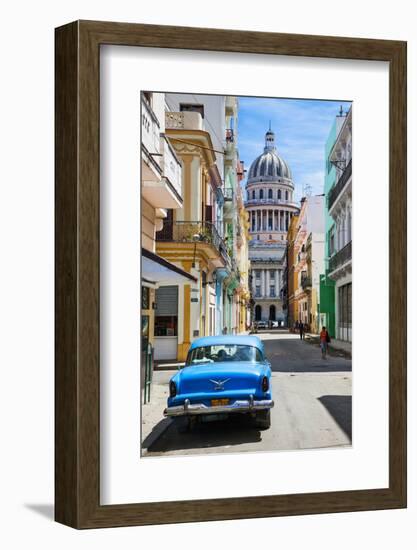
(224, 353)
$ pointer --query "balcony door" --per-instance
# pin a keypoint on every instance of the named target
(168, 228)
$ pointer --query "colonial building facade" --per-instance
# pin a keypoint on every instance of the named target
(327, 285)
(339, 203)
(161, 192)
(305, 263)
(270, 205)
(205, 235)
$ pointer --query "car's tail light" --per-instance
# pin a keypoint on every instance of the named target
(172, 389)
(265, 384)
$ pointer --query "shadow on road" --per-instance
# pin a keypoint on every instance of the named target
(340, 407)
(231, 431)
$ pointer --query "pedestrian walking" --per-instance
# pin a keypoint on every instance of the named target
(301, 329)
(225, 330)
(324, 342)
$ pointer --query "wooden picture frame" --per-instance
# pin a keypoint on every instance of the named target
(77, 406)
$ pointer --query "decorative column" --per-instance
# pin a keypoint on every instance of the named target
(261, 221)
(277, 281)
(262, 283)
(267, 282)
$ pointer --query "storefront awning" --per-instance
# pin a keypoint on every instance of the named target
(158, 271)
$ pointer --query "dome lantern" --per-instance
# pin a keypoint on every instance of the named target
(269, 140)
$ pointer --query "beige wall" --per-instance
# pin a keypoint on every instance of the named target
(148, 226)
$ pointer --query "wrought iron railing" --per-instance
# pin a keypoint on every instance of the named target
(193, 232)
(341, 257)
(336, 189)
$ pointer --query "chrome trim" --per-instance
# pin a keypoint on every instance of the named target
(236, 407)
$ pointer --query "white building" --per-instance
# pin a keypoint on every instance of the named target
(270, 203)
(340, 208)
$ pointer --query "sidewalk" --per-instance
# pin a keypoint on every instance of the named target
(153, 421)
(336, 346)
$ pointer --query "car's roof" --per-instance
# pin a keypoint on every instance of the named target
(233, 339)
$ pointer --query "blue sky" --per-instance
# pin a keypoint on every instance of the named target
(301, 129)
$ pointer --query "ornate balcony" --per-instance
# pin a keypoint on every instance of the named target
(183, 120)
(150, 129)
(163, 188)
(340, 258)
(161, 170)
(195, 232)
(337, 189)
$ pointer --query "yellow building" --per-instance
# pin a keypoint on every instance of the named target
(189, 237)
(292, 253)
(243, 264)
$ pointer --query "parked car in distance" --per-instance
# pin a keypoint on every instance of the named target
(223, 375)
(261, 324)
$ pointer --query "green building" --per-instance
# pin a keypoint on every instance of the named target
(327, 307)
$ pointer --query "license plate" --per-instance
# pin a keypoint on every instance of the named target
(219, 402)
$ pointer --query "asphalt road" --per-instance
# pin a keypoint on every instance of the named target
(312, 407)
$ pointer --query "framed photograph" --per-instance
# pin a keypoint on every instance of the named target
(230, 274)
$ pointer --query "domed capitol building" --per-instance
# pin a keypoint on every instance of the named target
(270, 203)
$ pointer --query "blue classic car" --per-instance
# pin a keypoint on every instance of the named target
(223, 375)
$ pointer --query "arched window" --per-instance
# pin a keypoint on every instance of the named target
(270, 194)
(286, 195)
(261, 194)
(258, 313)
(253, 194)
(279, 194)
(272, 313)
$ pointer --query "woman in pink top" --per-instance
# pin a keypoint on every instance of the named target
(324, 341)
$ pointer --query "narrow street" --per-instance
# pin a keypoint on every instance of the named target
(312, 407)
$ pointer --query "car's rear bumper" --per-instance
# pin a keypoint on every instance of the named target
(238, 406)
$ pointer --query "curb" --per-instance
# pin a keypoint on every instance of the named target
(167, 366)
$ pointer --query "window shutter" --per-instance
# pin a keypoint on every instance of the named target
(167, 300)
